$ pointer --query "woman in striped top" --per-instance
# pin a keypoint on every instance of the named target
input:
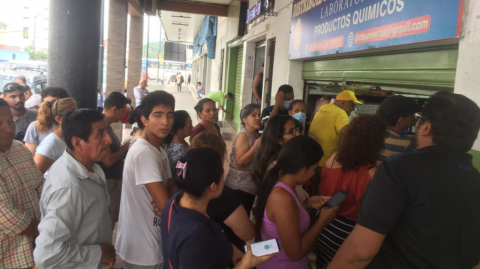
(349, 169)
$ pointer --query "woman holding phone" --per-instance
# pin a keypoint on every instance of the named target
(189, 238)
(279, 214)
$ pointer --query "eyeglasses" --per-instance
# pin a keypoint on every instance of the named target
(293, 132)
(419, 116)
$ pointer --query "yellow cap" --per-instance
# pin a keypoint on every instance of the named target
(348, 96)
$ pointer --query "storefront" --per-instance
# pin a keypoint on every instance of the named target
(376, 48)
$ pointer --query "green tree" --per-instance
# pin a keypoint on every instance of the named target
(39, 54)
(154, 48)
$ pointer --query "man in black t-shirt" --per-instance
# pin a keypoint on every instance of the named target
(283, 98)
(112, 165)
(422, 210)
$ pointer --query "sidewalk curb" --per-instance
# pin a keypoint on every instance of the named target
(193, 92)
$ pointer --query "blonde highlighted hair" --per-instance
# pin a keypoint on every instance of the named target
(49, 110)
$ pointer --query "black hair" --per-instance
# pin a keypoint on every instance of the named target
(230, 95)
(79, 123)
(269, 147)
(203, 167)
(395, 107)
(285, 88)
(3, 103)
(455, 120)
(155, 99)
(294, 102)
(199, 106)
(179, 119)
(136, 117)
(298, 153)
(246, 111)
(115, 99)
(199, 82)
(57, 92)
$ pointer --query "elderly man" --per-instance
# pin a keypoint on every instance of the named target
(140, 92)
(421, 209)
(20, 188)
(20, 79)
(13, 93)
(75, 229)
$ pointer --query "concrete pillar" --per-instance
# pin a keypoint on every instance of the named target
(73, 48)
(116, 50)
(135, 48)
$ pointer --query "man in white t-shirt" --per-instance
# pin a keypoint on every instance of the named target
(146, 177)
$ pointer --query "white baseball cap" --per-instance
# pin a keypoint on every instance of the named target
(34, 101)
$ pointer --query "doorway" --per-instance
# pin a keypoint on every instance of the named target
(259, 62)
(268, 81)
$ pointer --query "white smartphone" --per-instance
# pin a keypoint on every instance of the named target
(264, 248)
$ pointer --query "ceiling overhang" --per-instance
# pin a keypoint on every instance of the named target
(199, 8)
(181, 27)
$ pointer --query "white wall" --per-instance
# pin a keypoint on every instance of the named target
(467, 81)
(284, 70)
(214, 64)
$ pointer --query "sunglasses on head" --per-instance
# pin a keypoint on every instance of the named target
(13, 87)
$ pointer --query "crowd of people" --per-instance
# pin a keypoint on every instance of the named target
(66, 179)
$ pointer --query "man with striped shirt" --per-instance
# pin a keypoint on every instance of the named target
(398, 113)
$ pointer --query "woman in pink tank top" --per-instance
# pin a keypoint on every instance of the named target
(280, 215)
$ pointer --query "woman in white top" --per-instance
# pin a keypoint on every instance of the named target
(53, 146)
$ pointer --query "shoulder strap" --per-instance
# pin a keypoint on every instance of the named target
(334, 160)
(168, 230)
(170, 215)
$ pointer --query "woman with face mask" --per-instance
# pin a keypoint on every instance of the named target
(298, 109)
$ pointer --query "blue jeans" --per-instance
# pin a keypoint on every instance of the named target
(198, 93)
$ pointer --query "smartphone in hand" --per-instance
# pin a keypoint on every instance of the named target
(265, 247)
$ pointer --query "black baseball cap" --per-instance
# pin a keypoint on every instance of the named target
(396, 107)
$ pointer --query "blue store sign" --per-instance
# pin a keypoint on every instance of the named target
(323, 27)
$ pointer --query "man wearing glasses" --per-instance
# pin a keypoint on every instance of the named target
(13, 94)
(331, 122)
(421, 209)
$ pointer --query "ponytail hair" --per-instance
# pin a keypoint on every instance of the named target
(198, 170)
(299, 153)
(49, 110)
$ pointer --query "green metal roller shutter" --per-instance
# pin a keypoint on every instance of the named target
(237, 106)
(433, 69)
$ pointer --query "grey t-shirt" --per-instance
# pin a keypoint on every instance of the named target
(21, 124)
(33, 136)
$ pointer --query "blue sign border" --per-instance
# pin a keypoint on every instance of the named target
(325, 27)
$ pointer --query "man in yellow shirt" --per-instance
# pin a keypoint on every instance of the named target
(331, 121)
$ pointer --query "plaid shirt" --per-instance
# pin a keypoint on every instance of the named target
(20, 190)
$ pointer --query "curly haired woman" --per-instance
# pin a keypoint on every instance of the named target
(349, 169)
